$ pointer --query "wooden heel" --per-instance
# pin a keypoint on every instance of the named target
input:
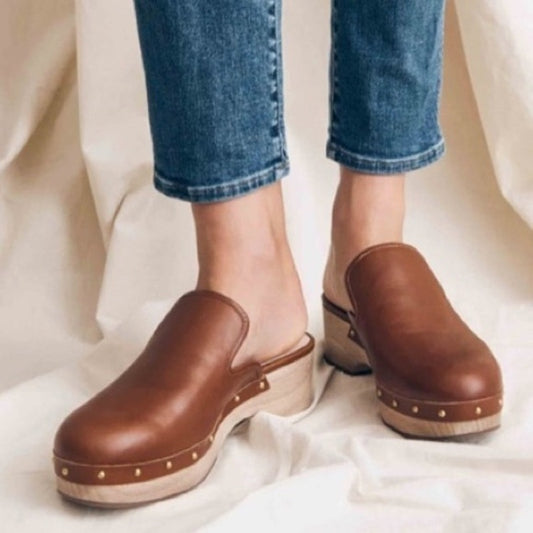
(291, 386)
(341, 346)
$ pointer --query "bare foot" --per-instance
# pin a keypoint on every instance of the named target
(243, 253)
(368, 210)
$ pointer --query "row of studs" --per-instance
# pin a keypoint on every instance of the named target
(168, 464)
(137, 471)
(441, 412)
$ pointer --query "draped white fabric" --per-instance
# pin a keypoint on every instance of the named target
(498, 42)
(91, 256)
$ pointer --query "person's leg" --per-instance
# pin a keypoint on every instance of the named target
(236, 344)
(214, 81)
(367, 210)
(384, 309)
(385, 72)
(243, 253)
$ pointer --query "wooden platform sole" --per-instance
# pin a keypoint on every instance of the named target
(290, 392)
(342, 350)
(413, 427)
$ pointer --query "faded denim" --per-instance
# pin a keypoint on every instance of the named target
(215, 91)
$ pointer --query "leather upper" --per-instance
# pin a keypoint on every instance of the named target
(417, 344)
(172, 396)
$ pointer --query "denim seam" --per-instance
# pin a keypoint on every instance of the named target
(224, 191)
(385, 165)
(334, 81)
(276, 75)
(440, 60)
(280, 82)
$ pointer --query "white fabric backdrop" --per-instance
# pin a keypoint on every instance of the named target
(498, 42)
(91, 257)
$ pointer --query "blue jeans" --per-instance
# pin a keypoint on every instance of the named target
(214, 82)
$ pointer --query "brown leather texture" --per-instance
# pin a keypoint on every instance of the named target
(161, 413)
(418, 346)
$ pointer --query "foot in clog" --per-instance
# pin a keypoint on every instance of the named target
(434, 377)
(157, 429)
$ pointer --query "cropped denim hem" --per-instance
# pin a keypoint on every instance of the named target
(214, 80)
(374, 165)
(221, 192)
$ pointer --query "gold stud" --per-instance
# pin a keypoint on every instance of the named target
(237, 398)
(379, 393)
(64, 471)
(478, 410)
(211, 438)
(101, 474)
(194, 456)
(262, 385)
(137, 472)
(168, 465)
(442, 413)
(394, 403)
(414, 409)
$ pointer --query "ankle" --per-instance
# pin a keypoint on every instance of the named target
(250, 229)
(368, 210)
(243, 252)
(243, 267)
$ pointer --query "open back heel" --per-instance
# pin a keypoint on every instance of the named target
(291, 383)
(342, 347)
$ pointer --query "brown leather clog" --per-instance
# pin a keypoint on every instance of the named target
(434, 377)
(156, 430)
